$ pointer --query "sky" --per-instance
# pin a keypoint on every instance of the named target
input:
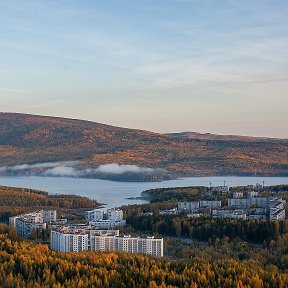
(216, 66)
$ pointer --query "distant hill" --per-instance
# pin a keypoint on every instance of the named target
(209, 136)
(31, 139)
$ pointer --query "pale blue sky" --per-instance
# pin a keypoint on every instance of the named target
(174, 65)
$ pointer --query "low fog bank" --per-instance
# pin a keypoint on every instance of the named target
(111, 171)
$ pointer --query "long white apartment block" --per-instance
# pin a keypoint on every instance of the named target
(107, 224)
(190, 206)
(77, 238)
(255, 201)
(210, 204)
(35, 221)
(236, 214)
(223, 189)
(150, 245)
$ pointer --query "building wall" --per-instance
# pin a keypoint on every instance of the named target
(63, 242)
(150, 246)
(94, 215)
(115, 214)
(49, 215)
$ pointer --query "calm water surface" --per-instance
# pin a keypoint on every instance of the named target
(116, 193)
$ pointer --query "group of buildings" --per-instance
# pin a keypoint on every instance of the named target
(99, 235)
(242, 205)
(82, 238)
(34, 222)
(112, 219)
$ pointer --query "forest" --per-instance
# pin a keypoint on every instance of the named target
(24, 264)
(204, 228)
(14, 201)
(201, 252)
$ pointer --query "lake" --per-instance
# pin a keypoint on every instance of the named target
(116, 193)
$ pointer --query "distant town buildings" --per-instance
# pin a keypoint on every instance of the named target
(252, 194)
(222, 189)
(243, 205)
(192, 206)
(172, 211)
(238, 194)
(257, 208)
(238, 214)
(34, 222)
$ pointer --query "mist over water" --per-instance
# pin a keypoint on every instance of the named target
(116, 193)
(74, 169)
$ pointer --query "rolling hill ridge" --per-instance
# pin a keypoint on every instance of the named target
(31, 139)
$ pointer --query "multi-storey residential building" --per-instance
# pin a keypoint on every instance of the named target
(210, 204)
(252, 194)
(222, 189)
(238, 214)
(191, 206)
(49, 216)
(80, 238)
(66, 241)
(277, 210)
(188, 206)
(94, 215)
(237, 194)
(114, 219)
(149, 245)
(115, 214)
(27, 224)
(107, 224)
(76, 238)
(258, 187)
(274, 205)
(172, 211)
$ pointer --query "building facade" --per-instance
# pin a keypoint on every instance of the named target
(94, 215)
(77, 239)
(30, 224)
(150, 245)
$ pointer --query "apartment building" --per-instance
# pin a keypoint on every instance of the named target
(66, 241)
(191, 206)
(94, 215)
(150, 245)
(77, 238)
(34, 222)
(222, 189)
(236, 214)
(238, 194)
(114, 219)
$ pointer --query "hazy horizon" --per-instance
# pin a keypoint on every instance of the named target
(216, 67)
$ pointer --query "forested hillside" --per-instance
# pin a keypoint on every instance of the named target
(24, 264)
(36, 139)
(14, 201)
